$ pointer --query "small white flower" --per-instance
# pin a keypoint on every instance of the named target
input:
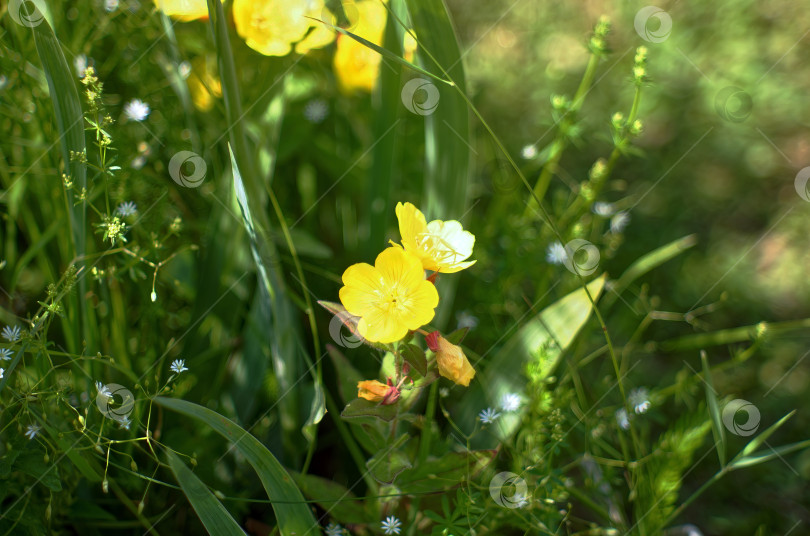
(444, 392)
(528, 152)
(466, 320)
(103, 390)
(391, 525)
(110, 5)
(316, 110)
(510, 402)
(136, 110)
(520, 500)
(488, 415)
(623, 419)
(178, 366)
(603, 209)
(619, 221)
(138, 162)
(126, 209)
(32, 431)
(639, 398)
(2, 372)
(124, 422)
(80, 64)
(5, 354)
(184, 69)
(555, 253)
(12, 333)
(334, 530)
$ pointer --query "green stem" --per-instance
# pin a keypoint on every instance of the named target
(427, 427)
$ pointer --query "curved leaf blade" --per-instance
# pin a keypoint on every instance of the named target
(294, 517)
(215, 518)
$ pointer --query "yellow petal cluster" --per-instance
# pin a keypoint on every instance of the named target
(391, 297)
(276, 27)
(442, 246)
(356, 65)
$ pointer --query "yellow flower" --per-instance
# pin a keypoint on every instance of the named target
(375, 391)
(275, 27)
(390, 297)
(441, 245)
(184, 10)
(356, 65)
(450, 358)
(203, 83)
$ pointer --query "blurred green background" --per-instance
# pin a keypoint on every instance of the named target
(718, 166)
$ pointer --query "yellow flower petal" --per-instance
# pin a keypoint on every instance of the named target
(371, 390)
(390, 297)
(274, 27)
(356, 65)
(442, 246)
(184, 10)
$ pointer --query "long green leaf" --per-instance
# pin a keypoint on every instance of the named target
(294, 517)
(383, 174)
(215, 518)
(646, 264)
(544, 337)
(70, 125)
(762, 457)
(718, 430)
(384, 53)
(447, 129)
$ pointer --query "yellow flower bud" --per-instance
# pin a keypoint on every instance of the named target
(375, 391)
(450, 358)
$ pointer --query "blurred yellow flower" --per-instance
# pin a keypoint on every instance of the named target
(450, 359)
(275, 27)
(184, 10)
(356, 65)
(409, 47)
(391, 297)
(442, 246)
(203, 83)
(375, 391)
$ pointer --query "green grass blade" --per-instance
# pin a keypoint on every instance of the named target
(779, 452)
(70, 125)
(447, 130)
(294, 517)
(215, 518)
(382, 177)
(385, 53)
(646, 264)
(755, 443)
(718, 430)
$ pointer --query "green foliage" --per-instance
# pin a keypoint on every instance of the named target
(163, 368)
